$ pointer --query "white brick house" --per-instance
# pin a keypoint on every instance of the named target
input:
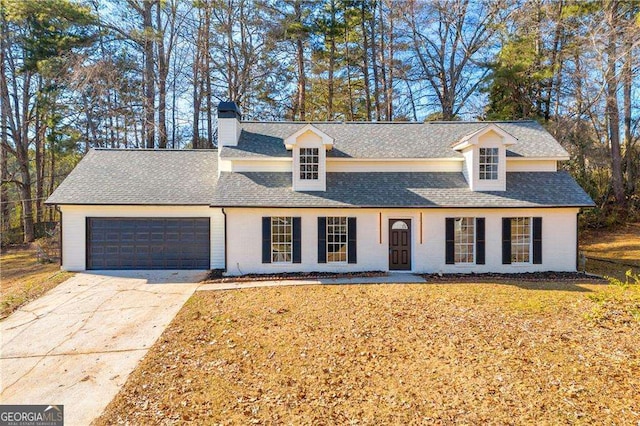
(452, 197)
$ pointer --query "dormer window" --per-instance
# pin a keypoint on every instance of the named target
(485, 157)
(488, 163)
(309, 146)
(309, 162)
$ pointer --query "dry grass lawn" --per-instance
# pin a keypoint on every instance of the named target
(620, 246)
(394, 354)
(23, 278)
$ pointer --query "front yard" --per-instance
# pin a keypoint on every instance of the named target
(23, 278)
(500, 353)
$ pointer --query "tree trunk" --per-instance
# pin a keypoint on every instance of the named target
(4, 173)
(302, 81)
(332, 61)
(302, 76)
(348, 66)
(163, 69)
(374, 64)
(390, 57)
(206, 58)
(627, 82)
(612, 112)
(365, 59)
(383, 62)
(52, 175)
(149, 92)
(39, 134)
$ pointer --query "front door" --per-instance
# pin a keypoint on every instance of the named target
(399, 244)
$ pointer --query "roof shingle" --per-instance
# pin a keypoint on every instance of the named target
(391, 140)
(145, 177)
(411, 189)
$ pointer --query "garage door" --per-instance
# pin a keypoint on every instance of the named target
(148, 243)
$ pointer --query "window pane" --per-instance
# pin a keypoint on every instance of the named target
(281, 239)
(309, 163)
(520, 239)
(337, 239)
(488, 163)
(464, 239)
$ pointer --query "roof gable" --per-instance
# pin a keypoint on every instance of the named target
(292, 140)
(474, 137)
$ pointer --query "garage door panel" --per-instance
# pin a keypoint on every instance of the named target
(148, 243)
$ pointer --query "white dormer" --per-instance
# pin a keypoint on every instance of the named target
(309, 147)
(485, 158)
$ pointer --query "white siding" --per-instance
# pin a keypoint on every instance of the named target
(229, 130)
(244, 228)
(388, 165)
(444, 165)
(74, 228)
(531, 165)
(283, 165)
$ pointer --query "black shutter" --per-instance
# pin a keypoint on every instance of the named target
(450, 248)
(266, 240)
(322, 240)
(353, 239)
(506, 240)
(537, 240)
(480, 241)
(297, 240)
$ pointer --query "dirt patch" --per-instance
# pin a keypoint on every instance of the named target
(495, 353)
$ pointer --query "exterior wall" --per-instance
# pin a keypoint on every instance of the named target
(388, 165)
(280, 165)
(244, 248)
(229, 130)
(74, 228)
(531, 165)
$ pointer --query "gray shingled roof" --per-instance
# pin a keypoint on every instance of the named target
(391, 140)
(185, 177)
(524, 189)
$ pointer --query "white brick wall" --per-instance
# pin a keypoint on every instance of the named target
(245, 245)
(74, 228)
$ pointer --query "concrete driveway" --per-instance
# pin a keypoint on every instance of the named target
(77, 344)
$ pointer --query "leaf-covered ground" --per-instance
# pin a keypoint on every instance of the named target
(612, 252)
(556, 353)
(23, 278)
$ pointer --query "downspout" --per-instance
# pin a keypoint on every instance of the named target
(61, 247)
(578, 242)
(225, 239)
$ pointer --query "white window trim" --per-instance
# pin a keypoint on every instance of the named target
(290, 225)
(473, 244)
(346, 224)
(530, 262)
